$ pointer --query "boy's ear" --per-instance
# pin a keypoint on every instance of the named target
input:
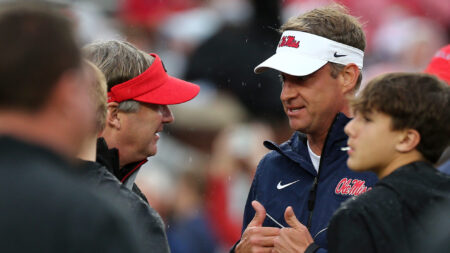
(349, 77)
(409, 139)
(112, 116)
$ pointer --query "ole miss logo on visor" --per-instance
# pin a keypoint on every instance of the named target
(288, 41)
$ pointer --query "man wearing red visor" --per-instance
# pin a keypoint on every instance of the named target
(139, 90)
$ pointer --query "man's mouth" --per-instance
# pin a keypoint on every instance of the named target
(294, 110)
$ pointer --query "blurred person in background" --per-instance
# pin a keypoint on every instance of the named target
(440, 67)
(45, 113)
(319, 57)
(235, 153)
(190, 231)
(400, 129)
(98, 98)
(139, 90)
(215, 61)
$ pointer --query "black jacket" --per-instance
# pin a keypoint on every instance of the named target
(106, 175)
(45, 207)
(397, 215)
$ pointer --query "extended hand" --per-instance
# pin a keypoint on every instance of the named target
(257, 238)
(294, 239)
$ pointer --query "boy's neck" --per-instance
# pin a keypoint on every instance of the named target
(399, 161)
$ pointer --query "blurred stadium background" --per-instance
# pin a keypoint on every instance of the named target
(200, 177)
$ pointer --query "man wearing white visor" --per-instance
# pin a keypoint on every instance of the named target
(300, 183)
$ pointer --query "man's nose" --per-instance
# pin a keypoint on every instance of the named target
(349, 128)
(167, 116)
(287, 92)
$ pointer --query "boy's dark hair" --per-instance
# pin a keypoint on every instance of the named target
(413, 100)
(37, 46)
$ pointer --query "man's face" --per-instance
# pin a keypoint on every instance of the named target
(311, 102)
(140, 131)
(371, 142)
(82, 113)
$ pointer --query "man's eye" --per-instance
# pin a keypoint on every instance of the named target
(367, 119)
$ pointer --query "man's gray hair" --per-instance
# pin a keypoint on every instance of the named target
(120, 61)
(129, 106)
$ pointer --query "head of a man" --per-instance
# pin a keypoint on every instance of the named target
(97, 95)
(399, 117)
(139, 91)
(42, 78)
(319, 57)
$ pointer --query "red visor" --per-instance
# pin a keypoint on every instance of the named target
(440, 64)
(154, 86)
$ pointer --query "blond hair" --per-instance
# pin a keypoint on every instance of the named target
(332, 22)
(98, 94)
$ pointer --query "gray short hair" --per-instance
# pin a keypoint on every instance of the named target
(120, 61)
(129, 106)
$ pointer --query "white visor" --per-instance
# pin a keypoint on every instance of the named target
(300, 54)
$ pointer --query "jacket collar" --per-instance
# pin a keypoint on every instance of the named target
(110, 159)
(296, 148)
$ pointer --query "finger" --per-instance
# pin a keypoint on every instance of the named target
(260, 214)
(264, 231)
(262, 249)
(263, 241)
(291, 219)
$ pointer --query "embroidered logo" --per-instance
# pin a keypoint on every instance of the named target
(288, 41)
(351, 187)
(280, 186)
(339, 55)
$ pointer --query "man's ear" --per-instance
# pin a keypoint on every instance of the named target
(112, 117)
(349, 77)
(408, 140)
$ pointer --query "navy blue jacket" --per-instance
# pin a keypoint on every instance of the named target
(314, 197)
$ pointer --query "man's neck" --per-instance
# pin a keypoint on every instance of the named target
(41, 129)
(89, 149)
(316, 142)
(317, 139)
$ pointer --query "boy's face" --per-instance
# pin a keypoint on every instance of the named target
(372, 142)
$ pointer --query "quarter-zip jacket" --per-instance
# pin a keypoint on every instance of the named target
(120, 182)
(286, 177)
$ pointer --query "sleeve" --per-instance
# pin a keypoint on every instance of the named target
(249, 212)
(349, 232)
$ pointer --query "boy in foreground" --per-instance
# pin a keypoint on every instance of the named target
(400, 128)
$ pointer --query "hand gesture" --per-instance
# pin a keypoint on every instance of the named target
(296, 238)
(257, 238)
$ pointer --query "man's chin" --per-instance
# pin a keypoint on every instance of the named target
(152, 151)
(354, 166)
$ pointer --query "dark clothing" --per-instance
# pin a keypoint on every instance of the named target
(395, 216)
(45, 207)
(286, 177)
(191, 235)
(445, 168)
(154, 235)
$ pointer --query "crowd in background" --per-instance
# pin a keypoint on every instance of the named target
(206, 159)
